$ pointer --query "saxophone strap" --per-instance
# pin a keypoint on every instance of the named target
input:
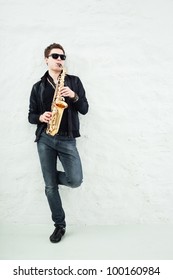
(52, 84)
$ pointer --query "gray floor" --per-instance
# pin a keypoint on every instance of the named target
(123, 242)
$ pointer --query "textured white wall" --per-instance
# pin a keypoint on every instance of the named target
(122, 51)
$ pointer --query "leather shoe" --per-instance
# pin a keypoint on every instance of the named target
(57, 234)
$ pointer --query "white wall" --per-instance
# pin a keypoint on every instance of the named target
(122, 51)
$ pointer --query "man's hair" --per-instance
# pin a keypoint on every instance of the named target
(53, 46)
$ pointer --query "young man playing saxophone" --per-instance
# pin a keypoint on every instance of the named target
(62, 145)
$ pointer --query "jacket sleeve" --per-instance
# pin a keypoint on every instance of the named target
(34, 113)
(81, 105)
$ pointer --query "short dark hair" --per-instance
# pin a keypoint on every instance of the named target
(52, 46)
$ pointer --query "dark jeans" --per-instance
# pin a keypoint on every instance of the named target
(49, 149)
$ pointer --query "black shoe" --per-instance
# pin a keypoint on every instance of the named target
(57, 234)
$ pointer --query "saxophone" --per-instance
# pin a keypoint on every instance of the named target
(57, 107)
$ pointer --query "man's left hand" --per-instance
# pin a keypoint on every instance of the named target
(67, 92)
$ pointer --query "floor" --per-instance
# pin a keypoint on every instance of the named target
(123, 242)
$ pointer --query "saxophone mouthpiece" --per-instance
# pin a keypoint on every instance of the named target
(60, 65)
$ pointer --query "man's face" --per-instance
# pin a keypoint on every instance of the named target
(55, 62)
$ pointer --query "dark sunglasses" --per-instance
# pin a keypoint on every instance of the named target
(56, 55)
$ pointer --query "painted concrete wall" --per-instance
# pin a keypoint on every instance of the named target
(122, 51)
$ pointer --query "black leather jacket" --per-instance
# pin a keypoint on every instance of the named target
(36, 106)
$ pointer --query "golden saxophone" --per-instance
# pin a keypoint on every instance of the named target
(57, 107)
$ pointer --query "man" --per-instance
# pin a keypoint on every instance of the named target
(62, 145)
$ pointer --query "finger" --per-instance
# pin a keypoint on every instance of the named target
(48, 114)
(46, 120)
(63, 91)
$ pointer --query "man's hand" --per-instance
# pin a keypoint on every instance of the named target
(45, 117)
(67, 92)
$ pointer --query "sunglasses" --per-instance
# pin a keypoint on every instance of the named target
(56, 55)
